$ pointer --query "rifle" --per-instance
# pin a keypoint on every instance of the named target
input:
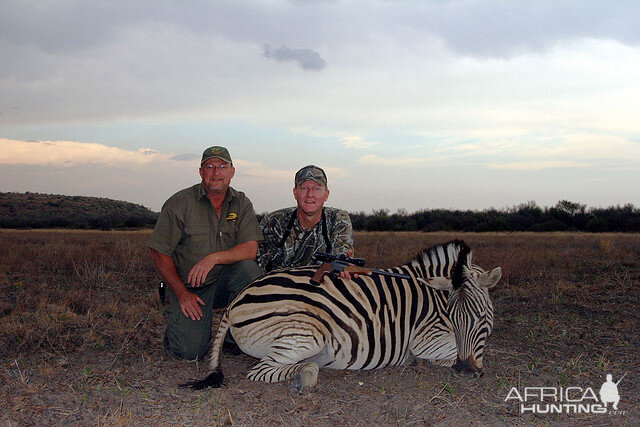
(625, 374)
(339, 263)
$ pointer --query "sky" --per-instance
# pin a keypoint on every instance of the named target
(406, 104)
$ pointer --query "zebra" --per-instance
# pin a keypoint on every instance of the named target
(443, 313)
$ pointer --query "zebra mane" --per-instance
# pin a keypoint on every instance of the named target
(457, 275)
(442, 260)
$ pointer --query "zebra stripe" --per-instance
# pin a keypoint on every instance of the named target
(443, 313)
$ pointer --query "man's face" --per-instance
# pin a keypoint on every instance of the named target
(310, 196)
(216, 175)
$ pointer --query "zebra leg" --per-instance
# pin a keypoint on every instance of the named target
(307, 376)
(439, 349)
(302, 374)
(294, 356)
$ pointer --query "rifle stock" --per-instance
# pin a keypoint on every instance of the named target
(324, 268)
(354, 269)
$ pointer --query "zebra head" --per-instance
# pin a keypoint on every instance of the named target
(470, 311)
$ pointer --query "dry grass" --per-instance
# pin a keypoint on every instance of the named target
(66, 291)
(81, 327)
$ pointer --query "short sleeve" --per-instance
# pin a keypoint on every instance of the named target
(168, 230)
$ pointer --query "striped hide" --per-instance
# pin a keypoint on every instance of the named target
(443, 313)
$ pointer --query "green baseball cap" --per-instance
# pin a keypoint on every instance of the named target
(216, 152)
(311, 173)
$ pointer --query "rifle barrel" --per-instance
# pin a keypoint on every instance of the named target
(388, 273)
(625, 374)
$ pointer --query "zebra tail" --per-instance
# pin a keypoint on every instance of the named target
(215, 377)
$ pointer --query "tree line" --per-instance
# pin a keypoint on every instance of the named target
(34, 210)
(563, 216)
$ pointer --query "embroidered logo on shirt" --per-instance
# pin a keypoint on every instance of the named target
(232, 216)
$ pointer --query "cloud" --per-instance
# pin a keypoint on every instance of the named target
(258, 170)
(472, 27)
(144, 176)
(595, 147)
(595, 151)
(508, 29)
(335, 173)
(261, 171)
(374, 159)
(70, 64)
(185, 157)
(536, 165)
(71, 153)
(356, 142)
(527, 152)
(307, 59)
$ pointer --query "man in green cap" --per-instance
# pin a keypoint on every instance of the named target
(293, 235)
(204, 246)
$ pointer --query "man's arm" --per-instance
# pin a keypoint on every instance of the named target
(189, 302)
(269, 245)
(342, 234)
(240, 252)
(342, 239)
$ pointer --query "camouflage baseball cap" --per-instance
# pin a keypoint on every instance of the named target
(311, 172)
(216, 152)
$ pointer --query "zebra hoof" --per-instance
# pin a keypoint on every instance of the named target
(307, 377)
(296, 384)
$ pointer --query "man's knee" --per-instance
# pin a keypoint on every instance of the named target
(186, 353)
(246, 270)
(234, 279)
(182, 348)
(187, 339)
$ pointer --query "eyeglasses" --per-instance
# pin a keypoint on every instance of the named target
(221, 168)
(314, 190)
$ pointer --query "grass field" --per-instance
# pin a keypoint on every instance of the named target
(81, 338)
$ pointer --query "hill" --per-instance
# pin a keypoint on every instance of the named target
(35, 210)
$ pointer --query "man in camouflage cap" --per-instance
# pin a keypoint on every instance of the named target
(293, 235)
(204, 246)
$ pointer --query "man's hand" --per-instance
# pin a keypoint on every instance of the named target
(189, 305)
(198, 273)
(345, 274)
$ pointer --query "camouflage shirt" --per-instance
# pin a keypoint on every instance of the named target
(301, 244)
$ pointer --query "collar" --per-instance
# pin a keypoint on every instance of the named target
(297, 223)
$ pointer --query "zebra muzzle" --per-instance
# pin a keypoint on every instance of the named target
(466, 369)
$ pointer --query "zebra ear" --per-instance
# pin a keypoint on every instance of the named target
(440, 283)
(490, 278)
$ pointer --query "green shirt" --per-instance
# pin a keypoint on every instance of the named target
(188, 228)
(301, 244)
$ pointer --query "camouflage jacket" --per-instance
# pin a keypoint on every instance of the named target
(301, 244)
